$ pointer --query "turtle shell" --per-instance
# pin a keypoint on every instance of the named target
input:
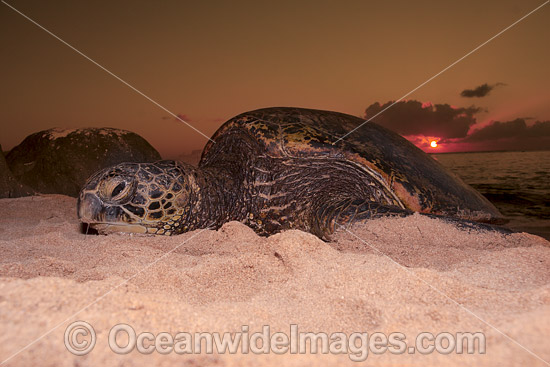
(419, 182)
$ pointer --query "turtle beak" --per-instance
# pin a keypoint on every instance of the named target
(89, 208)
(105, 220)
(92, 211)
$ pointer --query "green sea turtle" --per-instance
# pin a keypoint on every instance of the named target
(59, 161)
(275, 169)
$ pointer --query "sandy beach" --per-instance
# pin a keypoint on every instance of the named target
(407, 275)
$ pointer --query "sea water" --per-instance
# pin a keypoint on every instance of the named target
(517, 183)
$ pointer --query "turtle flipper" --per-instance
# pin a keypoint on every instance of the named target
(468, 225)
(346, 212)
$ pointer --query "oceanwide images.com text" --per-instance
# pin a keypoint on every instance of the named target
(80, 339)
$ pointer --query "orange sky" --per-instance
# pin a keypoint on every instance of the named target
(212, 60)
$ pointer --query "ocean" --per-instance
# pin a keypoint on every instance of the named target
(517, 183)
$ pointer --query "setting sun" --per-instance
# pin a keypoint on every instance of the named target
(433, 144)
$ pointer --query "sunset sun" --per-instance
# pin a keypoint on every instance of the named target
(433, 144)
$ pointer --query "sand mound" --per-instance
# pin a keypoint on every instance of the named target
(407, 275)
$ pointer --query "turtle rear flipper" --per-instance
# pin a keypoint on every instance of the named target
(468, 225)
(344, 213)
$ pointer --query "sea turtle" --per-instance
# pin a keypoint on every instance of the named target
(279, 168)
(59, 161)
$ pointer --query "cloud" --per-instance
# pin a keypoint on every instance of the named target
(417, 118)
(179, 116)
(183, 117)
(510, 130)
(456, 128)
(507, 135)
(480, 91)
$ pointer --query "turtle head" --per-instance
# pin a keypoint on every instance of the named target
(138, 197)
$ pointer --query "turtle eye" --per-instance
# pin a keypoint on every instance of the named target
(118, 189)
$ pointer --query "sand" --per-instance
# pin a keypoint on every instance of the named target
(407, 275)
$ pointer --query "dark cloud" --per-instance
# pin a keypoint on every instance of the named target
(480, 91)
(183, 117)
(416, 118)
(179, 116)
(510, 130)
(454, 127)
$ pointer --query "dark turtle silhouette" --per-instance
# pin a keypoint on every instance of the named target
(275, 169)
(59, 161)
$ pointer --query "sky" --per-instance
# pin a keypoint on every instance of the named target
(208, 61)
